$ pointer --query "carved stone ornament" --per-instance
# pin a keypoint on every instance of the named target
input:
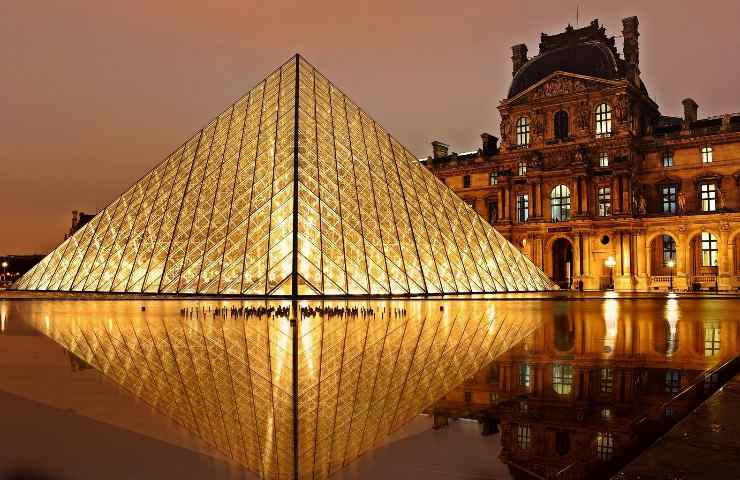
(583, 116)
(622, 109)
(559, 86)
(505, 129)
(538, 124)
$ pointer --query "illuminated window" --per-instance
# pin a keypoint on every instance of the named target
(523, 436)
(603, 159)
(607, 380)
(605, 201)
(521, 169)
(706, 154)
(603, 120)
(525, 376)
(562, 379)
(466, 181)
(604, 446)
(669, 249)
(560, 203)
(667, 159)
(668, 193)
(711, 341)
(606, 413)
(561, 124)
(708, 193)
(492, 398)
(672, 381)
(494, 178)
(522, 132)
(708, 250)
(522, 208)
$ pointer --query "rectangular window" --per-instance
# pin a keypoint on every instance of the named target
(708, 250)
(494, 178)
(466, 181)
(605, 201)
(706, 154)
(711, 340)
(522, 208)
(523, 434)
(492, 212)
(667, 159)
(672, 381)
(607, 380)
(521, 169)
(603, 159)
(525, 376)
(604, 446)
(562, 379)
(669, 192)
(468, 397)
(708, 197)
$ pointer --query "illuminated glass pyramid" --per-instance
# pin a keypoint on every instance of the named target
(288, 396)
(293, 190)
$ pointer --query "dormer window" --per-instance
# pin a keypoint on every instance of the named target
(522, 132)
(603, 120)
(561, 125)
(603, 159)
(521, 169)
(706, 154)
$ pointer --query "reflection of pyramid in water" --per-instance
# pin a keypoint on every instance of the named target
(292, 190)
(232, 381)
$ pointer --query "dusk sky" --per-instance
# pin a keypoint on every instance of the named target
(95, 93)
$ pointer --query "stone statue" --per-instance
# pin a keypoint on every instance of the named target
(583, 115)
(505, 129)
(720, 199)
(681, 202)
(621, 109)
(641, 204)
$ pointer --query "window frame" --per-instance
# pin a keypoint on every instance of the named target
(603, 120)
(667, 155)
(493, 178)
(560, 202)
(521, 168)
(709, 249)
(708, 196)
(561, 124)
(523, 436)
(522, 132)
(713, 343)
(669, 248)
(707, 154)
(466, 181)
(562, 378)
(669, 199)
(605, 446)
(604, 159)
(604, 200)
(525, 375)
(522, 207)
(606, 380)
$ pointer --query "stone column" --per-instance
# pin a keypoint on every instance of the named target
(623, 277)
(616, 195)
(683, 254)
(532, 200)
(590, 281)
(642, 259)
(576, 267)
(507, 201)
(724, 280)
(499, 205)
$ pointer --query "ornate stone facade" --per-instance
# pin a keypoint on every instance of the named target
(594, 184)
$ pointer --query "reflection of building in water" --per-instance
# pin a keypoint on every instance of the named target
(571, 393)
(236, 382)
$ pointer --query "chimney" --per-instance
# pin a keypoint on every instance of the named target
(439, 149)
(518, 57)
(690, 111)
(490, 144)
(631, 34)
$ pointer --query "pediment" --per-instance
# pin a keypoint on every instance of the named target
(561, 84)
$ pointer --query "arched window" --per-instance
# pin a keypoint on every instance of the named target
(522, 132)
(561, 124)
(603, 120)
(560, 202)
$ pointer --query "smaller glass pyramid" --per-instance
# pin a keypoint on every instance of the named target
(292, 191)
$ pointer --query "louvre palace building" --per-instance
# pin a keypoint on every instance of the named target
(593, 184)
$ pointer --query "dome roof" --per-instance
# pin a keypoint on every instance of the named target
(592, 58)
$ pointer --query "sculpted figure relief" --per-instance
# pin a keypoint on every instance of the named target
(622, 109)
(583, 116)
(559, 86)
(681, 202)
(505, 129)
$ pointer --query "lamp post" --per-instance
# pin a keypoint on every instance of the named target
(670, 264)
(5, 267)
(610, 263)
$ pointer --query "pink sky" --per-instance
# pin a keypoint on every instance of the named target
(95, 93)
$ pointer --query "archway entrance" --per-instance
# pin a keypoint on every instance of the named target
(562, 263)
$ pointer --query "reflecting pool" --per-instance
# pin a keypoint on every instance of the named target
(304, 389)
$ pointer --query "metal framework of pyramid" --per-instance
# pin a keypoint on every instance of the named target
(288, 398)
(293, 190)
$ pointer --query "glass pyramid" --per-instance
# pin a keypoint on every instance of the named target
(293, 190)
(288, 395)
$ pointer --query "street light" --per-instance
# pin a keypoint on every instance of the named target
(610, 263)
(5, 266)
(670, 264)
